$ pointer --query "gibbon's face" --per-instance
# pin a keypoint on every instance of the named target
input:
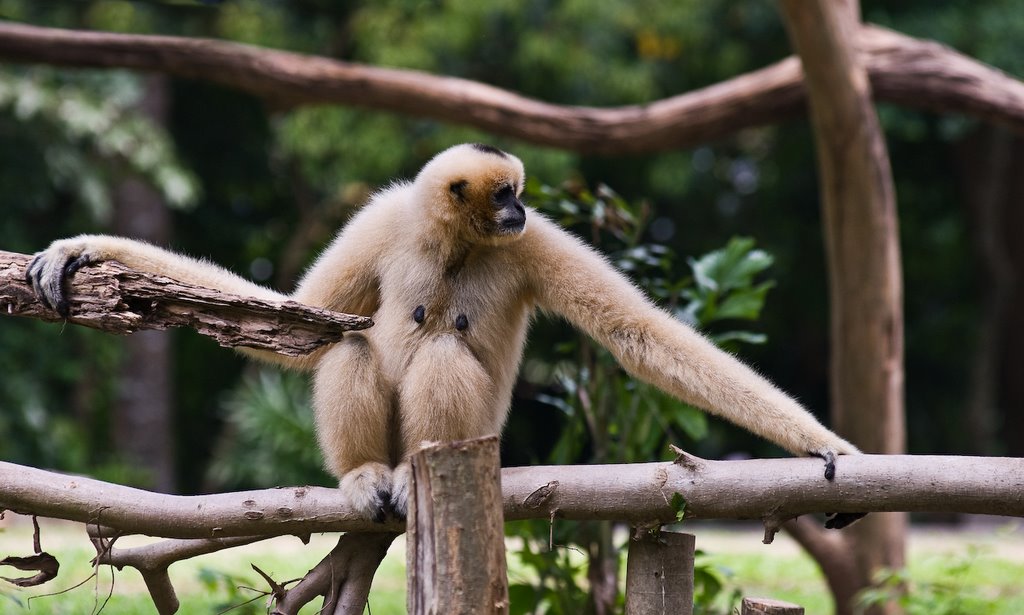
(481, 187)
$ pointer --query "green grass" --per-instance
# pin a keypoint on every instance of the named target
(988, 564)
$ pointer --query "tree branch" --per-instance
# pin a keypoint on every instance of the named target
(110, 297)
(920, 74)
(637, 493)
(343, 577)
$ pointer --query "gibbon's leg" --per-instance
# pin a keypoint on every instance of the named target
(353, 405)
(445, 395)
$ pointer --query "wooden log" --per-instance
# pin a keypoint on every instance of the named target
(767, 606)
(456, 540)
(659, 574)
(113, 298)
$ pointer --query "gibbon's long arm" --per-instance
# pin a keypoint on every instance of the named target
(49, 270)
(573, 281)
(345, 277)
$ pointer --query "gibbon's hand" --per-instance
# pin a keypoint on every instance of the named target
(836, 521)
(49, 270)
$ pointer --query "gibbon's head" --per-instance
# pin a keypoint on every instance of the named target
(473, 191)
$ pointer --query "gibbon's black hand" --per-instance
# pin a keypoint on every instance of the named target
(836, 521)
(830, 463)
(48, 273)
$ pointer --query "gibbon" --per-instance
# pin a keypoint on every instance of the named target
(451, 267)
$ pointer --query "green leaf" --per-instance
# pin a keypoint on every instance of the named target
(747, 337)
(678, 504)
(744, 304)
(693, 422)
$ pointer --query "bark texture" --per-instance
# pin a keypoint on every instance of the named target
(113, 298)
(862, 241)
(456, 531)
(768, 489)
(659, 574)
(767, 606)
(903, 70)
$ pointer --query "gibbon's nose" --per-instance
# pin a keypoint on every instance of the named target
(513, 218)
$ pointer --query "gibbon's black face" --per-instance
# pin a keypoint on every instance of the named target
(510, 213)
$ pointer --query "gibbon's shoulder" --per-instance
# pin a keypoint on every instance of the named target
(545, 239)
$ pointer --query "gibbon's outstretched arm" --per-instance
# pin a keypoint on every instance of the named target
(48, 272)
(573, 281)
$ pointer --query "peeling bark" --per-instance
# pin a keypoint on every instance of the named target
(113, 298)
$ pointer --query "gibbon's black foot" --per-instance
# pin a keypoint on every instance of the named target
(837, 521)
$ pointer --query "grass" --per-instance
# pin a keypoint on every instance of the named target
(988, 564)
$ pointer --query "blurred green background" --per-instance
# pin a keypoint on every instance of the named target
(221, 175)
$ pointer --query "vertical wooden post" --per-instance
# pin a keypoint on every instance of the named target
(659, 575)
(865, 269)
(767, 606)
(456, 537)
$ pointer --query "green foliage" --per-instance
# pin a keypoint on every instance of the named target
(678, 503)
(93, 135)
(271, 434)
(714, 591)
(950, 591)
(233, 593)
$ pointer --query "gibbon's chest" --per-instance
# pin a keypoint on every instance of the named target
(470, 298)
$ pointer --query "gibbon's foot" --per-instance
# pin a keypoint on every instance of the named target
(837, 521)
(400, 480)
(368, 489)
(48, 272)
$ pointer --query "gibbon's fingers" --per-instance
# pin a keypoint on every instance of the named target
(400, 480)
(837, 521)
(48, 273)
(368, 489)
(830, 463)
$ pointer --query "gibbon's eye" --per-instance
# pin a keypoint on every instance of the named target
(458, 189)
(504, 196)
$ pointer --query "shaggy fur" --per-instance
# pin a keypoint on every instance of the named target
(451, 276)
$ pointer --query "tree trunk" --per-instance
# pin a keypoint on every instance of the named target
(143, 423)
(862, 240)
(992, 176)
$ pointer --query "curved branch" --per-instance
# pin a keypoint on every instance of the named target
(638, 493)
(113, 298)
(904, 70)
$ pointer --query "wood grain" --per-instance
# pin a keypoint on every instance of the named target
(113, 298)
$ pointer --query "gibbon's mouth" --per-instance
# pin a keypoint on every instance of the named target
(511, 226)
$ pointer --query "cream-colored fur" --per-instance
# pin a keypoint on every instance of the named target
(444, 243)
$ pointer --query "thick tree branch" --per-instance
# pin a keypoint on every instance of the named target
(343, 577)
(903, 70)
(110, 297)
(638, 493)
